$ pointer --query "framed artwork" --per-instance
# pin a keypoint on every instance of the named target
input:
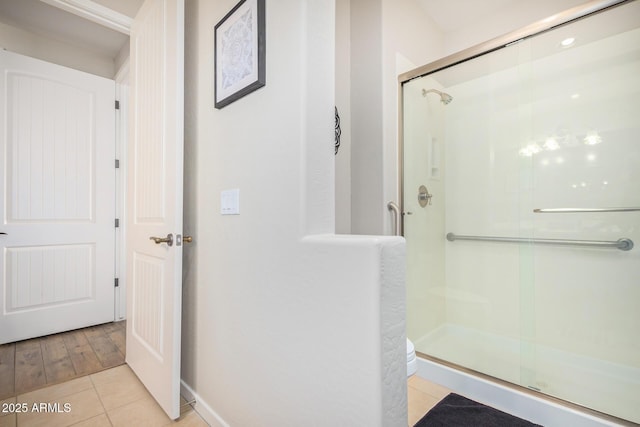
(239, 55)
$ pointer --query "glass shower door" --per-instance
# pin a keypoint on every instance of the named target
(521, 200)
(584, 165)
(423, 214)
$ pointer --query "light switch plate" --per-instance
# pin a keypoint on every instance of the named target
(230, 202)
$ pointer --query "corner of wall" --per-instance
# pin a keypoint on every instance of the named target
(367, 163)
(392, 312)
(278, 309)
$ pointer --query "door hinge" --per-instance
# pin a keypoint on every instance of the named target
(116, 282)
(117, 163)
(117, 222)
(117, 104)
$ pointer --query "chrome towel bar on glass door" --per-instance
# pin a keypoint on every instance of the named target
(580, 210)
(623, 244)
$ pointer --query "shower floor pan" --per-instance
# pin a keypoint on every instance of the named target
(599, 385)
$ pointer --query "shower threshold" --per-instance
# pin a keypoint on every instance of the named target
(592, 386)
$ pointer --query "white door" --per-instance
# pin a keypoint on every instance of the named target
(154, 200)
(57, 175)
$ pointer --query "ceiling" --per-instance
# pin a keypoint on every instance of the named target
(53, 23)
(126, 7)
(451, 15)
(48, 21)
(39, 17)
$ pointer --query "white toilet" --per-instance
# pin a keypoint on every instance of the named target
(412, 363)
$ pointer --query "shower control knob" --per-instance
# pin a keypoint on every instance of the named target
(424, 197)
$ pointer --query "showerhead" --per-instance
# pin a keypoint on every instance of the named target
(445, 98)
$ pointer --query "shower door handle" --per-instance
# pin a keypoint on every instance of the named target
(393, 207)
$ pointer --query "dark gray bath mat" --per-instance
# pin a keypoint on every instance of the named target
(458, 411)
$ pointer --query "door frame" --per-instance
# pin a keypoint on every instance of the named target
(101, 93)
(109, 18)
(122, 131)
(117, 21)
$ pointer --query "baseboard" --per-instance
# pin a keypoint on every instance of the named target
(201, 407)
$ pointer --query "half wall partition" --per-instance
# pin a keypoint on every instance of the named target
(521, 206)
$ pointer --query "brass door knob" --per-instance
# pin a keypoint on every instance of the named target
(187, 239)
(168, 240)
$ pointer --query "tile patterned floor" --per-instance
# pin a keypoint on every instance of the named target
(40, 362)
(111, 398)
(115, 397)
(423, 395)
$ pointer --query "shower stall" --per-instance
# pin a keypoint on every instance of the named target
(520, 186)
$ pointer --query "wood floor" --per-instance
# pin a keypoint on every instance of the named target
(39, 362)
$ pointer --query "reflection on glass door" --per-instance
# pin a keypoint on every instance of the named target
(521, 205)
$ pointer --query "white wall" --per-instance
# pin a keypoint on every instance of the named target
(284, 323)
(30, 44)
(577, 301)
(387, 38)
(424, 149)
(367, 165)
(126, 7)
(509, 17)
(573, 303)
(410, 39)
(476, 188)
(343, 103)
